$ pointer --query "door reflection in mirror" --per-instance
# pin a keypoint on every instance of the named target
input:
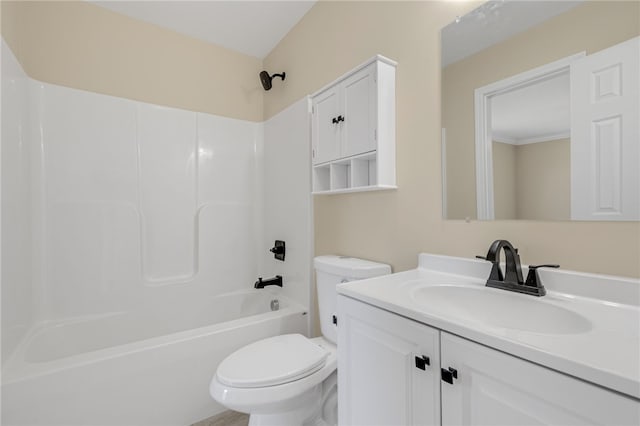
(548, 173)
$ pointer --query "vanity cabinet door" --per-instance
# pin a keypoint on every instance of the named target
(388, 368)
(494, 388)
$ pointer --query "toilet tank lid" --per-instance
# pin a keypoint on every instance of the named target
(350, 267)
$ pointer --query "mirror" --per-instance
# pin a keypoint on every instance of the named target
(540, 111)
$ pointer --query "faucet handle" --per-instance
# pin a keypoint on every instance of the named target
(532, 276)
(534, 267)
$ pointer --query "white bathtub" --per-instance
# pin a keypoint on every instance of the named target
(148, 368)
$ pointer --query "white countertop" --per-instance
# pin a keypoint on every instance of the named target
(606, 353)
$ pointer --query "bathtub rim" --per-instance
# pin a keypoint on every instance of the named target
(17, 369)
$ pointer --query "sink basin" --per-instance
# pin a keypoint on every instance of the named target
(500, 308)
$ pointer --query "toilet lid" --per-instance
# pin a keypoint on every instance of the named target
(272, 361)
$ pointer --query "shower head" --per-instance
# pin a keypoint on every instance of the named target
(265, 78)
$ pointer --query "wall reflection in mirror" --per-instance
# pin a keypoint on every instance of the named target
(540, 111)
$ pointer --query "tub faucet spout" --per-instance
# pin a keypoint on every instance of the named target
(277, 280)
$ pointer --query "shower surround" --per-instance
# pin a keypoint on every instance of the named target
(125, 219)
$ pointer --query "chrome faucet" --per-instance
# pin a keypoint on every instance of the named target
(512, 279)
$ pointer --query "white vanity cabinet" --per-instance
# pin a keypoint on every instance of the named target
(494, 388)
(388, 368)
(381, 383)
(353, 130)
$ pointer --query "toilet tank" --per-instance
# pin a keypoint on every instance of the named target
(333, 270)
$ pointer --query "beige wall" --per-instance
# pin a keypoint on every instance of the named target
(532, 181)
(394, 226)
(504, 181)
(543, 180)
(81, 45)
(594, 25)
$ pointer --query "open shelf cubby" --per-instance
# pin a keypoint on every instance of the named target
(341, 174)
(358, 173)
(321, 178)
(363, 171)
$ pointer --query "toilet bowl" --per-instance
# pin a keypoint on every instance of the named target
(291, 380)
(289, 391)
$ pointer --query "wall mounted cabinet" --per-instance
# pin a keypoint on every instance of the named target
(394, 370)
(353, 130)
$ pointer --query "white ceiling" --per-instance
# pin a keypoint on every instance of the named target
(494, 22)
(250, 27)
(535, 113)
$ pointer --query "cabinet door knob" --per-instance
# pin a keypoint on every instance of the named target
(334, 120)
(449, 374)
(340, 118)
(422, 362)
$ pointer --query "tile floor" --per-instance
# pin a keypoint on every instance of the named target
(226, 418)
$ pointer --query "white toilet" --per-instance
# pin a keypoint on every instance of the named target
(290, 380)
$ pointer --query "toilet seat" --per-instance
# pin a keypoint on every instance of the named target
(273, 361)
(272, 399)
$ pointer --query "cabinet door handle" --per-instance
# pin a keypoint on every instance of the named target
(449, 374)
(422, 362)
(334, 120)
(340, 118)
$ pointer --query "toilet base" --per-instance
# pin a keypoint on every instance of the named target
(318, 407)
(306, 411)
